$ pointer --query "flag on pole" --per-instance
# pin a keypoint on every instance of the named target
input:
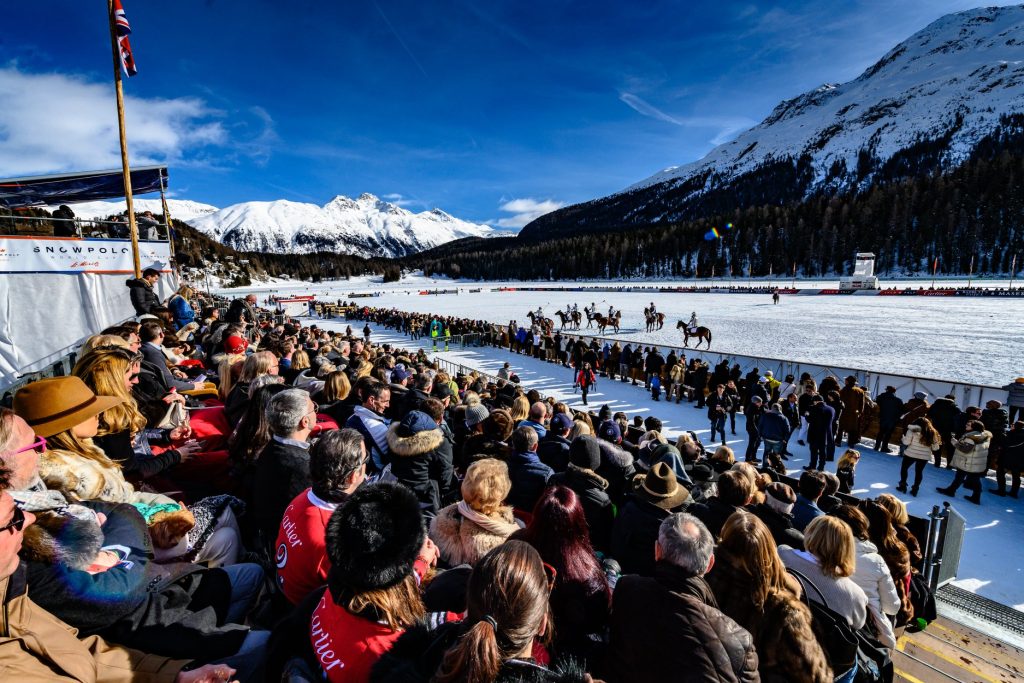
(124, 47)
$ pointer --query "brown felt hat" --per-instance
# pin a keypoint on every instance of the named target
(660, 487)
(54, 405)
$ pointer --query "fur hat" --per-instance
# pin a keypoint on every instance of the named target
(475, 414)
(585, 452)
(374, 538)
(499, 424)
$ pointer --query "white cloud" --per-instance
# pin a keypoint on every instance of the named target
(648, 109)
(526, 210)
(58, 122)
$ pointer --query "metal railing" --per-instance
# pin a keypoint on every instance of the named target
(14, 224)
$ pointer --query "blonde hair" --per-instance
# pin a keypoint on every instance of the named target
(724, 454)
(520, 408)
(400, 605)
(830, 539)
(850, 457)
(579, 428)
(654, 435)
(486, 485)
(98, 340)
(336, 387)
(103, 370)
(300, 360)
(897, 508)
(227, 373)
(85, 448)
(257, 364)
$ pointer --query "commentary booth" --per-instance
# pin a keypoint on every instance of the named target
(63, 279)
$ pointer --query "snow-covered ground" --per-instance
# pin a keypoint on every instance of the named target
(992, 563)
(973, 340)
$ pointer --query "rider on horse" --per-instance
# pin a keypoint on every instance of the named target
(692, 325)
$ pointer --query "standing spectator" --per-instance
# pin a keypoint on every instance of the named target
(752, 414)
(528, 474)
(667, 624)
(590, 488)
(719, 405)
(144, 299)
(337, 464)
(890, 408)
(1015, 401)
(970, 460)
(996, 420)
(943, 414)
(846, 470)
(652, 366)
(1011, 460)
(553, 449)
(416, 460)
(774, 429)
(856, 402)
(585, 380)
(920, 441)
(820, 418)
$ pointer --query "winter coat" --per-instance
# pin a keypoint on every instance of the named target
(1012, 457)
(783, 632)
(553, 451)
(781, 526)
(654, 363)
(462, 541)
(417, 462)
(855, 402)
(182, 311)
(82, 478)
(634, 533)
(144, 299)
(1016, 394)
(529, 477)
(890, 408)
(713, 513)
(996, 420)
(873, 577)
(668, 628)
(913, 409)
(590, 488)
(37, 647)
(480, 446)
(417, 655)
(155, 358)
(774, 427)
(943, 414)
(137, 603)
(240, 311)
(804, 511)
(915, 447)
(714, 402)
(617, 469)
(971, 453)
(282, 472)
(819, 424)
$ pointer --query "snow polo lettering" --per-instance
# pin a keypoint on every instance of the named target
(321, 641)
(80, 250)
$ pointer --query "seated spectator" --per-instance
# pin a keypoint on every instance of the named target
(536, 419)
(553, 449)
(466, 531)
(591, 488)
(258, 364)
(617, 466)
(656, 495)
(734, 493)
(580, 597)
(812, 485)
(379, 553)
(499, 640)
(751, 586)
(527, 473)
(335, 390)
(490, 434)
(282, 470)
(368, 419)
(250, 437)
(897, 558)
(416, 461)
(777, 514)
(829, 500)
(152, 334)
(667, 624)
(337, 466)
(899, 517)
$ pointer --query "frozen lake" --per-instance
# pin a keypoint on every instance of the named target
(974, 340)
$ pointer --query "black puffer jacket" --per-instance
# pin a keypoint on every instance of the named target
(590, 487)
(144, 299)
(668, 628)
(417, 461)
(617, 469)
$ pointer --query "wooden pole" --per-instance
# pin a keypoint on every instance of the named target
(167, 215)
(132, 227)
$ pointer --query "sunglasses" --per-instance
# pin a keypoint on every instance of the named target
(17, 522)
(39, 446)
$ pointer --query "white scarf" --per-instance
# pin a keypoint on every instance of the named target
(494, 526)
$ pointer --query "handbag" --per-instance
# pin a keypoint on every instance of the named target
(837, 638)
(175, 417)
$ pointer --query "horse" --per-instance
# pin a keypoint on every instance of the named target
(702, 334)
(655, 320)
(603, 322)
(591, 316)
(572, 320)
(545, 324)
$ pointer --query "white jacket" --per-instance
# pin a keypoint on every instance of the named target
(872, 575)
(915, 447)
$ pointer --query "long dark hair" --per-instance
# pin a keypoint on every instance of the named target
(253, 431)
(560, 534)
(506, 600)
(883, 535)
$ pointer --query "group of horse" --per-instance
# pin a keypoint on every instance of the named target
(654, 321)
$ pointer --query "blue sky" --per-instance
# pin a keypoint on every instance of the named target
(493, 111)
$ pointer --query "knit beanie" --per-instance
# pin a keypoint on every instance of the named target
(585, 452)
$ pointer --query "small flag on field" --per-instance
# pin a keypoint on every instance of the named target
(124, 47)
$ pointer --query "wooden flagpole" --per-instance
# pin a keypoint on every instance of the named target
(132, 227)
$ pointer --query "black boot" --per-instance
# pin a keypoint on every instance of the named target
(999, 491)
(902, 487)
(974, 497)
(913, 492)
(946, 491)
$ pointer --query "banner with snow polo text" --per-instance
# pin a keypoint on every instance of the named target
(20, 254)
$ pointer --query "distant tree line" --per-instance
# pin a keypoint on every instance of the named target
(908, 210)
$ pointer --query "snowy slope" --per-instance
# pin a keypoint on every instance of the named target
(955, 77)
(181, 209)
(366, 226)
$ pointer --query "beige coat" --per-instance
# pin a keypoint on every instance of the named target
(915, 447)
(464, 542)
(37, 647)
(971, 454)
(81, 478)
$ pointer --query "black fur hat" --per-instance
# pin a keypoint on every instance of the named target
(373, 539)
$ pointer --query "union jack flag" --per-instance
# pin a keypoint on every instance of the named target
(124, 47)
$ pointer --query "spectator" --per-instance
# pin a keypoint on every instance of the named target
(337, 464)
(820, 439)
(553, 449)
(719, 404)
(920, 441)
(591, 489)
(536, 419)
(734, 493)
(656, 496)
(527, 473)
(890, 408)
(812, 485)
(368, 419)
(243, 311)
(144, 299)
(777, 514)
(882, 533)
(1015, 401)
(667, 626)
(1011, 460)
(752, 587)
(466, 531)
(855, 404)
(970, 461)
(152, 334)
(181, 310)
(829, 499)
(282, 470)
(846, 470)
(774, 429)
(944, 414)
(416, 459)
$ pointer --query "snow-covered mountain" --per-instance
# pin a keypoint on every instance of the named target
(366, 226)
(181, 209)
(946, 85)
